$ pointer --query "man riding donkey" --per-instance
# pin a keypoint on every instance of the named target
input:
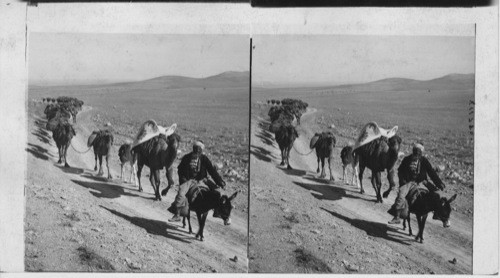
(412, 174)
(192, 172)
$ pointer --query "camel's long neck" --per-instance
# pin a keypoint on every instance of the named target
(393, 158)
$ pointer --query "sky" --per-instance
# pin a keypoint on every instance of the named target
(347, 59)
(82, 58)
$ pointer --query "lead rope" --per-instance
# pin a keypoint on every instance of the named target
(304, 154)
(80, 151)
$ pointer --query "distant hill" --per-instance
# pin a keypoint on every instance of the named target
(448, 82)
(223, 80)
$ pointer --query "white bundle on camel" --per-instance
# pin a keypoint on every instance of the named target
(150, 129)
(372, 131)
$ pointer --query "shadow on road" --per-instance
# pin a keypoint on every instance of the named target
(323, 192)
(38, 152)
(106, 190)
(292, 172)
(266, 137)
(71, 170)
(374, 229)
(153, 227)
(261, 153)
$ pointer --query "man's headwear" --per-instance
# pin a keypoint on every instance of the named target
(199, 144)
(418, 146)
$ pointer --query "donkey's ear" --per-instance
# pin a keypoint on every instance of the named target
(452, 198)
(234, 195)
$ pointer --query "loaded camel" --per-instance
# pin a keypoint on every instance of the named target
(324, 143)
(63, 133)
(377, 152)
(102, 142)
(157, 153)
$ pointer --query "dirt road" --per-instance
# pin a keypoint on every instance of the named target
(76, 221)
(300, 223)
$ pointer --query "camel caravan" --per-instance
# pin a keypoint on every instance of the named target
(378, 149)
(156, 147)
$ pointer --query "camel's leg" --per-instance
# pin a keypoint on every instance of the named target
(134, 167)
(65, 152)
(343, 174)
(121, 171)
(288, 158)
(317, 170)
(139, 170)
(330, 168)
(354, 178)
(59, 150)
(322, 168)
(133, 172)
(360, 176)
(152, 178)
(107, 166)
(282, 156)
(377, 185)
(101, 172)
(95, 156)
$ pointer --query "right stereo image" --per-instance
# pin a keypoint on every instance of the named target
(362, 154)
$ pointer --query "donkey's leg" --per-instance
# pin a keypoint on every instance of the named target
(199, 216)
(421, 231)
(203, 221)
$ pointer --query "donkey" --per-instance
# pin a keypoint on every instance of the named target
(424, 202)
(202, 202)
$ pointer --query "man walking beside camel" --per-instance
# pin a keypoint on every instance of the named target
(192, 170)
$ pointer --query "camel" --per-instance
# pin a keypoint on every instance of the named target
(285, 137)
(324, 143)
(102, 142)
(125, 154)
(379, 155)
(157, 153)
(348, 157)
(62, 134)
